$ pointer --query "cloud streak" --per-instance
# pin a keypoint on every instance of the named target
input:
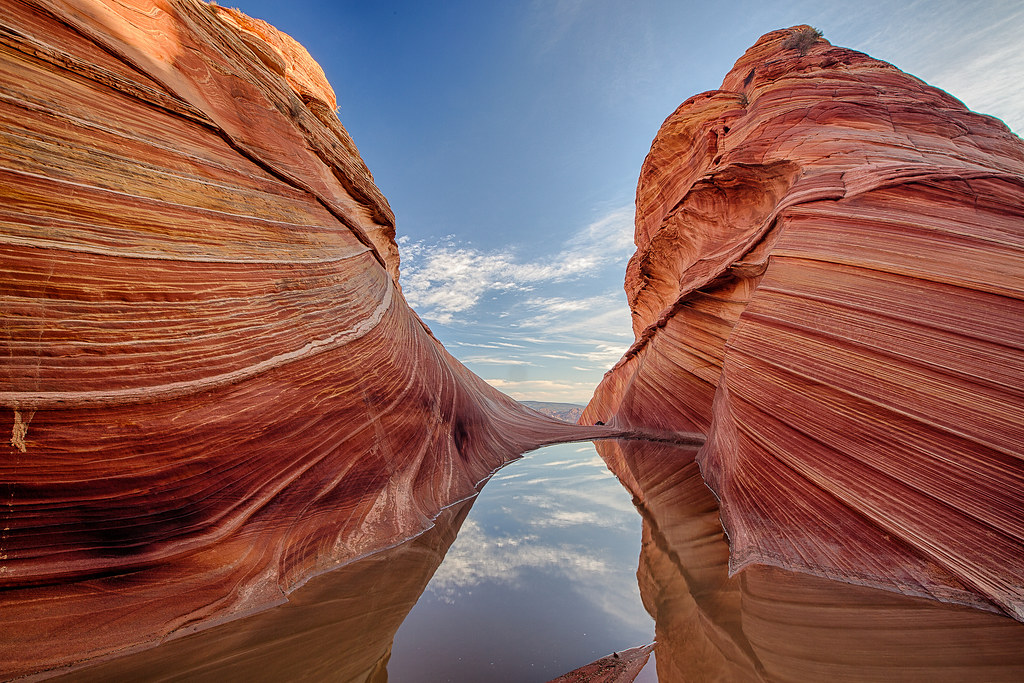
(486, 360)
(443, 279)
(975, 55)
(543, 389)
(559, 514)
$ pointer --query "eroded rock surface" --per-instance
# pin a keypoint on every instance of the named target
(828, 283)
(618, 667)
(769, 624)
(339, 626)
(213, 386)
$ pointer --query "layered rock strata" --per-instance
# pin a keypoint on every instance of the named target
(768, 624)
(828, 283)
(339, 626)
(213, 386)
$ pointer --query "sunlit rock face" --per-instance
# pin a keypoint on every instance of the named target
(828, 282)
(212, 385)
(769, 624)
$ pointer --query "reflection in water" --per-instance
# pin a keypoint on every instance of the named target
(338, 627)
(769, 624)
(541, 580)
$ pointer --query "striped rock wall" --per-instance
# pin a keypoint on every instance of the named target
(829, 283)
(211, 384)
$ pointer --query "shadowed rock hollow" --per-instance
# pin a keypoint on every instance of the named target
(213, 386)
(828, 282)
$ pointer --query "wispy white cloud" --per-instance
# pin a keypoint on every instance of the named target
(560, 316)
(972, 50)
(533, 340)
(565, 506)
(544, 389)
(603, 353)
(612, 234)
(443, 279)
(440, 280)
(486, 360)
(558, 304)
(494, 345)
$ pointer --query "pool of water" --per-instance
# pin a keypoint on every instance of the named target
(540, 580)
(543, 573)
(534, 577)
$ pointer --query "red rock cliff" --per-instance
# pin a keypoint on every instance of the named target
(828, 282)
(768, 624)
(213, 386)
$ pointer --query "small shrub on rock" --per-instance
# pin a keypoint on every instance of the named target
(801, 40)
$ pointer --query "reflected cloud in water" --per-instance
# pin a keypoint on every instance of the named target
(546, 575)
(503, 559)
(769, 624)
(542, 577)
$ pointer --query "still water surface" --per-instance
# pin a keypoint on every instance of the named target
(540, 580)
(539, 575)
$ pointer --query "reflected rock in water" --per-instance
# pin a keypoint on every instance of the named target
(828, 283)
(337, 627)
(213, 386)
(770, 624)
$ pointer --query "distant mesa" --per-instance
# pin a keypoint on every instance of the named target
(828, 282)
(566, 412)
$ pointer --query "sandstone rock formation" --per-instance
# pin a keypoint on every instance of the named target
(618, 667)
(339, 626)
(768, 624)
(213, 385)
(828, 283)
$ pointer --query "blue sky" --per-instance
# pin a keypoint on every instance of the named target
(508, 137)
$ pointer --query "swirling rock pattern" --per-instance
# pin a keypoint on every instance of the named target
(339, 626)
(828, 283)
(769, 624)
(213, 385)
